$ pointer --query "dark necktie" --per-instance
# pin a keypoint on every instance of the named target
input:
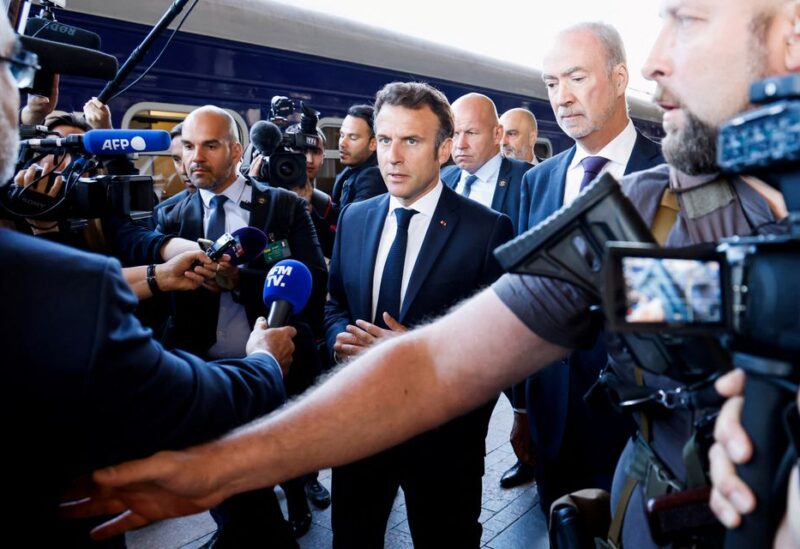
(392, 278)
(591, 168)
(468, 185)
(216, 223)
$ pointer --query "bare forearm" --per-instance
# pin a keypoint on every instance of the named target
(136, 277)
(396, 390)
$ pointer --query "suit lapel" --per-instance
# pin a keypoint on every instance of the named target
(501, 186)
(560, 176)
(443, 224)
(259, 202)
(643, 155)
(370, 240)
(192, 218)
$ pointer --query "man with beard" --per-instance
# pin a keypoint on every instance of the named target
(586, 74)
(361, 178)
(519, 135)
(422, 378)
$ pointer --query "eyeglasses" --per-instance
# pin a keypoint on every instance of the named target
(23, 65)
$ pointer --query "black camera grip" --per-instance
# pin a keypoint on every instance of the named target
(761, 419)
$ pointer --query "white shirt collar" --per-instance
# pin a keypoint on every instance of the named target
(425, 205)
(234, 192)
(490, 169)
(618, 150)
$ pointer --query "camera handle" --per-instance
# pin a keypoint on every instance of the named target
(764, 402)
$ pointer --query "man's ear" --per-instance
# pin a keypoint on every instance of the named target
(373, 144)
(621, 78)
(445, 150)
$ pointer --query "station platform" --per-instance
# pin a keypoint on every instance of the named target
(511, 519)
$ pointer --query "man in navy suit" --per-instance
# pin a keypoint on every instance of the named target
(215, 323)
(85, 383)
(398, 259)
(481, 172)
(586, 76)
(484, 174)
(361, 178)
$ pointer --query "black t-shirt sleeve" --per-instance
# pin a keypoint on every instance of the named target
(555, 310)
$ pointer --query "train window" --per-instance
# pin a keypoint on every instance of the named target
(165, 116)
(543, 148)
(331, 166)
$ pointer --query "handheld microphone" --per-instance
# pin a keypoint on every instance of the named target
(265, 137)
(243, 245)
(106, 142)
(286, 291)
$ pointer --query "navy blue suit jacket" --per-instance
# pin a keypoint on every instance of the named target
(455, 260)
(507, 191)
(85, 385)
(548, 395)
(279, 214)
(543, 185)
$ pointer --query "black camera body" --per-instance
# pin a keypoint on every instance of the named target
(746, 289)
(284, 164)
(86, 192)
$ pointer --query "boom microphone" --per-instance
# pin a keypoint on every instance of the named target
(286, 291)
(106, 142)
(265, 137)
(73, 60)
(46, 29)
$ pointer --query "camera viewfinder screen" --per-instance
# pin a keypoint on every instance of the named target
(672, 291)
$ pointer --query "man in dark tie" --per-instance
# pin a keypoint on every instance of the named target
(481, 173)
(361, 178)
(398, 259)
(214, 321)
(586, 77)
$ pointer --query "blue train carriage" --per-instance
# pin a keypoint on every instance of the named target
(239, 53)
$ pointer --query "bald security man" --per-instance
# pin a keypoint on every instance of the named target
(520, 132)
(481, 172)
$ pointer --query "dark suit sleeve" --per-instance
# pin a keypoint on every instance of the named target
(525, 202)
(147, 399)
(133, 242)
(367, 184)
(502, 232)
(305, 247)
(337, 310)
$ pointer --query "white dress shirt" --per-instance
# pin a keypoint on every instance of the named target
(233, 329)
(417, 229)
(618, 152)
(483, 189)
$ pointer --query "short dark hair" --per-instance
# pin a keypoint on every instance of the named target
(416, 95)
(61, 118)
(176, 130)
(365, 113)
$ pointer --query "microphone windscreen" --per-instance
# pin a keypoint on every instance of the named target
(290, 281)
(73, 60)
(39, 27)
(110, 142)
(252, 242)
(265, 137)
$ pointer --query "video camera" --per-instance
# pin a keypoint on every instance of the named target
(746, 289)
(87, 193)
(695, 312)
(283, 161)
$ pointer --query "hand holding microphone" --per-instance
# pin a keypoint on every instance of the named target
(276, 341)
